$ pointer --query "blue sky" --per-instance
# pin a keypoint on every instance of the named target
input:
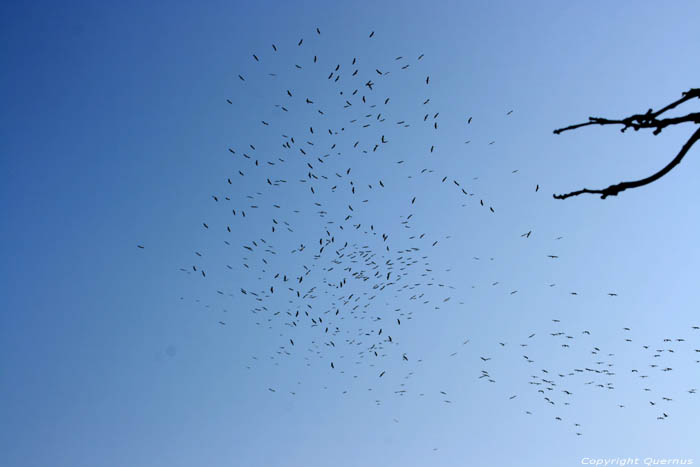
(114, 132)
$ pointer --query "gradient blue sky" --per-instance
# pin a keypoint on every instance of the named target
(113, 133)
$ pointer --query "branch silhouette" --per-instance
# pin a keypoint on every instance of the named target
(650, 119)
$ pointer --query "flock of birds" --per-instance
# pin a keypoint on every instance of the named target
(344, 265)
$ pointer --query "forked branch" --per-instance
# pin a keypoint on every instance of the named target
(650, 119)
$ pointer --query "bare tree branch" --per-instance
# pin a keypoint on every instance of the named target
(647, 120)
(613, 190)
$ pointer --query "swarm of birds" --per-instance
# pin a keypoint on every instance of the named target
(326, 276)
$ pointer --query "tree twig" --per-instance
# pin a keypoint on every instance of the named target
(613, 190)
(637, 122)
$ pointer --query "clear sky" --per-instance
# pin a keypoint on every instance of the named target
(114, 133)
